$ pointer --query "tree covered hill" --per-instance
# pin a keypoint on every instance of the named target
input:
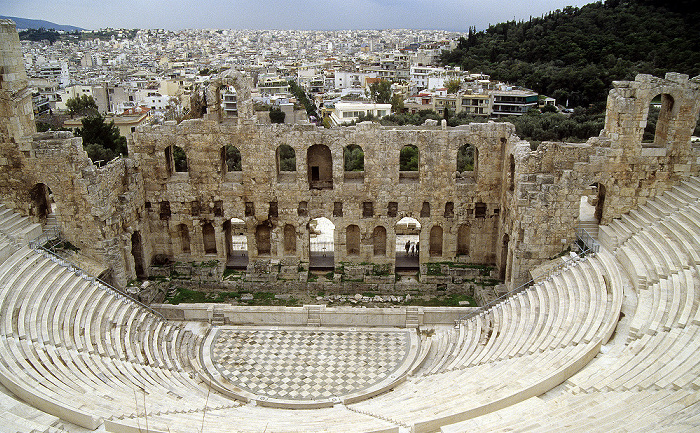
(574, 54)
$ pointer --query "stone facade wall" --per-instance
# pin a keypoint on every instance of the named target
(520, 205)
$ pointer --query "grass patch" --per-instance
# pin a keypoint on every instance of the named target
(382, 270)
(433, 269)
(231, 274)
(189, 296)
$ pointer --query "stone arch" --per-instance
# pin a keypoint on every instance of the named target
(40, 197)
(137, 254)
(379, 241)
(290, 239)
(241, 83)
(352, 240)
(321, 241)
(236, 243)
(183, 234)
(230, 159)
(463, 239)
(435, 246)
(263, 238)
(407, 231)
(320, 167)
(660, 113)
(209, 238)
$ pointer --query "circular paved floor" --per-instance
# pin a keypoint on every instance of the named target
(308, 364)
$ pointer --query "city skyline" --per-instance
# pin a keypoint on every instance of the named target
(452, 15)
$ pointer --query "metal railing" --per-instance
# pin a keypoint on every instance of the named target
(591, 244)
(484, 309)
(52, 238)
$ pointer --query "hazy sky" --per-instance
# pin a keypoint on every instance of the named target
(278, 14)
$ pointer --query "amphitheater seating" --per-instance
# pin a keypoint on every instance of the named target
(80, 352)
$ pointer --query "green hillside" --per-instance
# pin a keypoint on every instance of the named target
(574, 54)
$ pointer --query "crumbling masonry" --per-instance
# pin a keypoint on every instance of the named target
(515, 209)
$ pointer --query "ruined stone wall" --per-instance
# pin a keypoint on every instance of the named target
(16, 114)
(344, 199)
(550, 181)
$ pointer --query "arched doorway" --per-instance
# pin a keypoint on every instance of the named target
(40, 196)
(321, 244)
(209, 238)
(236, 244)
(379, 241)
(407, 242)
(352, 240)
(435, 241)
(263, 238)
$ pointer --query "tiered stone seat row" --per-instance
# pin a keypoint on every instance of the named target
(17, 227)
(78, 350)
(649, 379)
(537, 339)
(563, 310)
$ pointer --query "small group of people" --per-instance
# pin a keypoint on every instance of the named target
(413, 248)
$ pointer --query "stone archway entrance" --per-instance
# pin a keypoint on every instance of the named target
(321, 244)
(40, 196)
(407, 234)
(236, 244)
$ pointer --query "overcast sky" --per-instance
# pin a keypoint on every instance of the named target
(278, 14)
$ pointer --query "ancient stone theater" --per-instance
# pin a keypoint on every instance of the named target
(601, 338)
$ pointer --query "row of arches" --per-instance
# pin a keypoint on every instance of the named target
(321, 239)
(320, 162)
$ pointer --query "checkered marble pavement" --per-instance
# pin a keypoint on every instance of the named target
(304, 364)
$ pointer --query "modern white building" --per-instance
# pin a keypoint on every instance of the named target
(347, 112)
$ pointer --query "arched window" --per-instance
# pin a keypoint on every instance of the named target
(661, 111)
(230, 159)
(320, 167)
(290, 239)
(354, 158)
(286, 158)
(209, 238)
(449, 210)
(465, 158)
(179, 159)
(184, 234)
(435, 241)
(263, 239)
(352, 240)
(379, 241)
